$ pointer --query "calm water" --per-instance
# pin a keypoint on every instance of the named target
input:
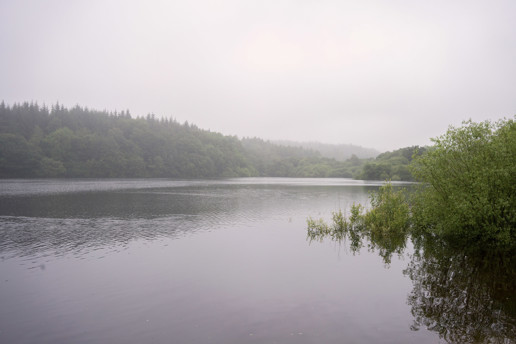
(225, 261)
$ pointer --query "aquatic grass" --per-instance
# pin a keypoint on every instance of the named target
(385, 225)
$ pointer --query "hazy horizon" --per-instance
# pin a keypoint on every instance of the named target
(382, 75)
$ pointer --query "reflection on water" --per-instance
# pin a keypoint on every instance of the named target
(33, 236)
(356, 236)
(226, 261)
(14, 187)
(75, 216)
(161, 261)
(466, 295)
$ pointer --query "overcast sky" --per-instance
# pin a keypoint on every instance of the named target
(381, 74)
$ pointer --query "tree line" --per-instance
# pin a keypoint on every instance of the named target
(41, 141)
(391, 165)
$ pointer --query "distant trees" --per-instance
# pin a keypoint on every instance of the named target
(339, 152)
(17, 156)
(78, 142)
(36, 141)
(391, 165)
(289, 161)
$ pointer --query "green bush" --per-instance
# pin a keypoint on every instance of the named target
(389, 212)
(469, 184)
(467, 193)
(384, 225)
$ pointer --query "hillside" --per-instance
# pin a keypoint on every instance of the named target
(36, 141)
(391, 165)
(339, 152)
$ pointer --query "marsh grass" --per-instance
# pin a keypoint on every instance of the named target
(385, 225)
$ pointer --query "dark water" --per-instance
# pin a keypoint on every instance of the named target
(225, 261)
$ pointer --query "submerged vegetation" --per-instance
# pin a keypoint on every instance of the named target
(465, 293)
(467, 193)
(386, 224)
(461, 220)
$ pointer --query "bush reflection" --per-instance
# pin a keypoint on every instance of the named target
(466, 295)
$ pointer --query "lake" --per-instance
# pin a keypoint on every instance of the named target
(211, 261)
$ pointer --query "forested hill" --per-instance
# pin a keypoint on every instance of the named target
(339, 152)
(36, 141)
(391, 165)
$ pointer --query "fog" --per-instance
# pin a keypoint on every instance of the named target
(381, 74)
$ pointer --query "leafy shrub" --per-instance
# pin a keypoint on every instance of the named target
(469, 184)
(389, 212)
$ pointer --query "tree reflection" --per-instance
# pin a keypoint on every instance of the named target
(387, 244)
(354, 232)
(465, 295)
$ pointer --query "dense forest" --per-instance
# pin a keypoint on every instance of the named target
(37, 141)
(391, 165)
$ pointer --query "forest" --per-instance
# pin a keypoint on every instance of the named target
(37, 141)
(391, 165)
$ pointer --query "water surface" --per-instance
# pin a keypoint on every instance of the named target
(203, 261)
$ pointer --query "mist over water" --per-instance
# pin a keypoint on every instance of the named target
(202, 89)
(214, 261)
(76, 215)
(223, 261)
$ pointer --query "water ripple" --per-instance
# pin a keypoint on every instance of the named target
(56, 217)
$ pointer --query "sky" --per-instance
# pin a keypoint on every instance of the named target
(380, 74)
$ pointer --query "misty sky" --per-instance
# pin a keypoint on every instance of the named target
(381, 74)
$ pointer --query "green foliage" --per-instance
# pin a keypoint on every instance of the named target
(17, 156)
(318, 228)
(274, 160)
(469, 191)
(78, 142)
(385, 224)
(389, 213)
(391, 165)
(389, 210)
(467, 195)
(51, 168)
